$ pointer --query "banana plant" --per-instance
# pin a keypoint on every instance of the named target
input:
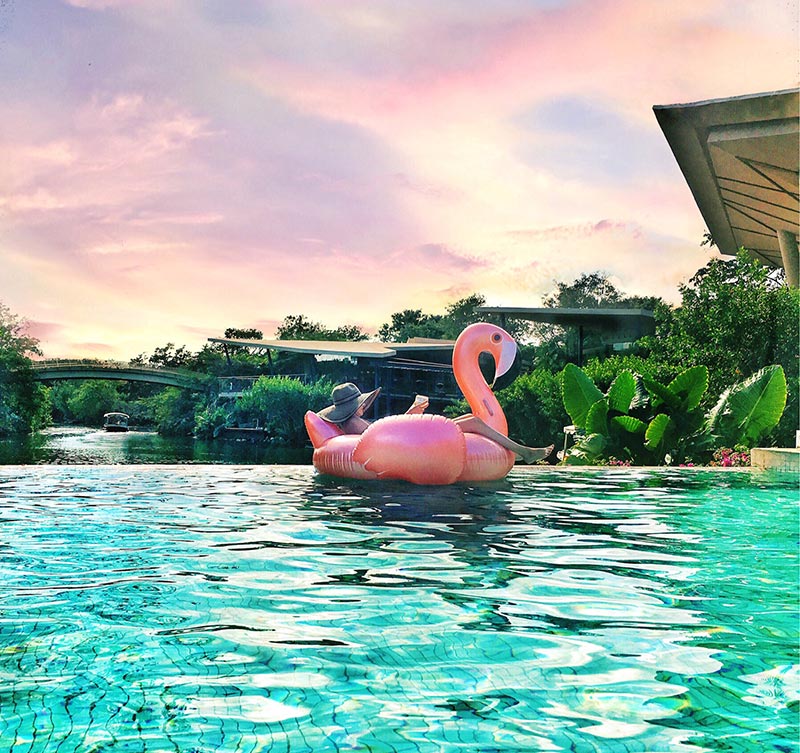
(676, 430)
(644, 421)
(748, 410)
(612, 424)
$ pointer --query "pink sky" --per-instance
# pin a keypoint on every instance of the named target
(176, 168)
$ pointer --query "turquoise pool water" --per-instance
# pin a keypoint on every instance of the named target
(232, 608)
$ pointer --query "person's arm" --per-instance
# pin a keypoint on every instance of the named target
(419, 405)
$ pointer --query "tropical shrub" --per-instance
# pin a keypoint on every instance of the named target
(278, 405)
(210, 421)
(734, 318)
(534, 409)
(749, 410)
(174, 411)
(603, 371)
(645, 421)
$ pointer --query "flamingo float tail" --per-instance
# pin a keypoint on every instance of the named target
(319, 430)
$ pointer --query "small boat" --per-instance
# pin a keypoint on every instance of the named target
(115, 421)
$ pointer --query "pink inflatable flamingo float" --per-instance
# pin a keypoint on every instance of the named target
(428, 449)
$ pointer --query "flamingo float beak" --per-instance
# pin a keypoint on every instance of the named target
(508, 353)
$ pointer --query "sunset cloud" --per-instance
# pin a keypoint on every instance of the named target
(173, 169)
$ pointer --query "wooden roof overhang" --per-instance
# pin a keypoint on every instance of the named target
(740, 157)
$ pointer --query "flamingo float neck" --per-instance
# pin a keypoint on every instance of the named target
(474, 340)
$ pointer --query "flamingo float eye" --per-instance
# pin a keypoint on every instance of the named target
(497, 337)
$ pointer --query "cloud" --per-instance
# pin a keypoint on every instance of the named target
(117, 153)
(43, 330)
(426, 189)
(441, 65)
(99, 4)
(439, 257)
(566, 232)
(90, 348)
(188, 165)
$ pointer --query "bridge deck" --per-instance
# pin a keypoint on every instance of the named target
(51, 370)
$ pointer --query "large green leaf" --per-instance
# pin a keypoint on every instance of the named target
(660, 393)
(622, 392)
(579, 393)
(641, 397)
(630, 424)
(718, 419)
(658, 431)
(690, 385)
(597, 418)
(586, 450)
(748, 410)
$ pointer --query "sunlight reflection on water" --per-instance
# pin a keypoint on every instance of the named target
(67, 445)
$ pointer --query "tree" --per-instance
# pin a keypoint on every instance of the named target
(463, 312)
(93, 398)
(170, 357)
(591, 291)
(594, 291)
(24, 404)
(448, 326)
(244, 334)
(300, 327)
(735, 320)
(411, 323)
(13, 337)
(175, 411)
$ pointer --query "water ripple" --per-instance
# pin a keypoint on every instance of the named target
(236, 609)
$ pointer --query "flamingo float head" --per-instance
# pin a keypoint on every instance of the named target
(486, 338)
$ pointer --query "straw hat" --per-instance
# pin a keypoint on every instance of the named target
(347, 399)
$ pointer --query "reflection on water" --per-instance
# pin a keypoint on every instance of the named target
(246, 609)
(80, 445)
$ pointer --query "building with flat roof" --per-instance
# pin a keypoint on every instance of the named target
(618, 328)
(402, 370)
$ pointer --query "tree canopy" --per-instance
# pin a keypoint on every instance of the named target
(556, 344)
(448, 326)
(735, 317)
(300, 327)
(23, 403)
(594, 291)
(235, 333)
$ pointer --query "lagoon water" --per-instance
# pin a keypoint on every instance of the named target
(80, 444)
(265, 608)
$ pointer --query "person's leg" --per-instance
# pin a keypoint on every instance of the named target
(475, 425)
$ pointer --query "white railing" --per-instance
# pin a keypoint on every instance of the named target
(69, 363)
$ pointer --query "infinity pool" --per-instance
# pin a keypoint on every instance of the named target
(230, 608)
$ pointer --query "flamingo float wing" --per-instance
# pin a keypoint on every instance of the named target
(424, 449)
(336, 458)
